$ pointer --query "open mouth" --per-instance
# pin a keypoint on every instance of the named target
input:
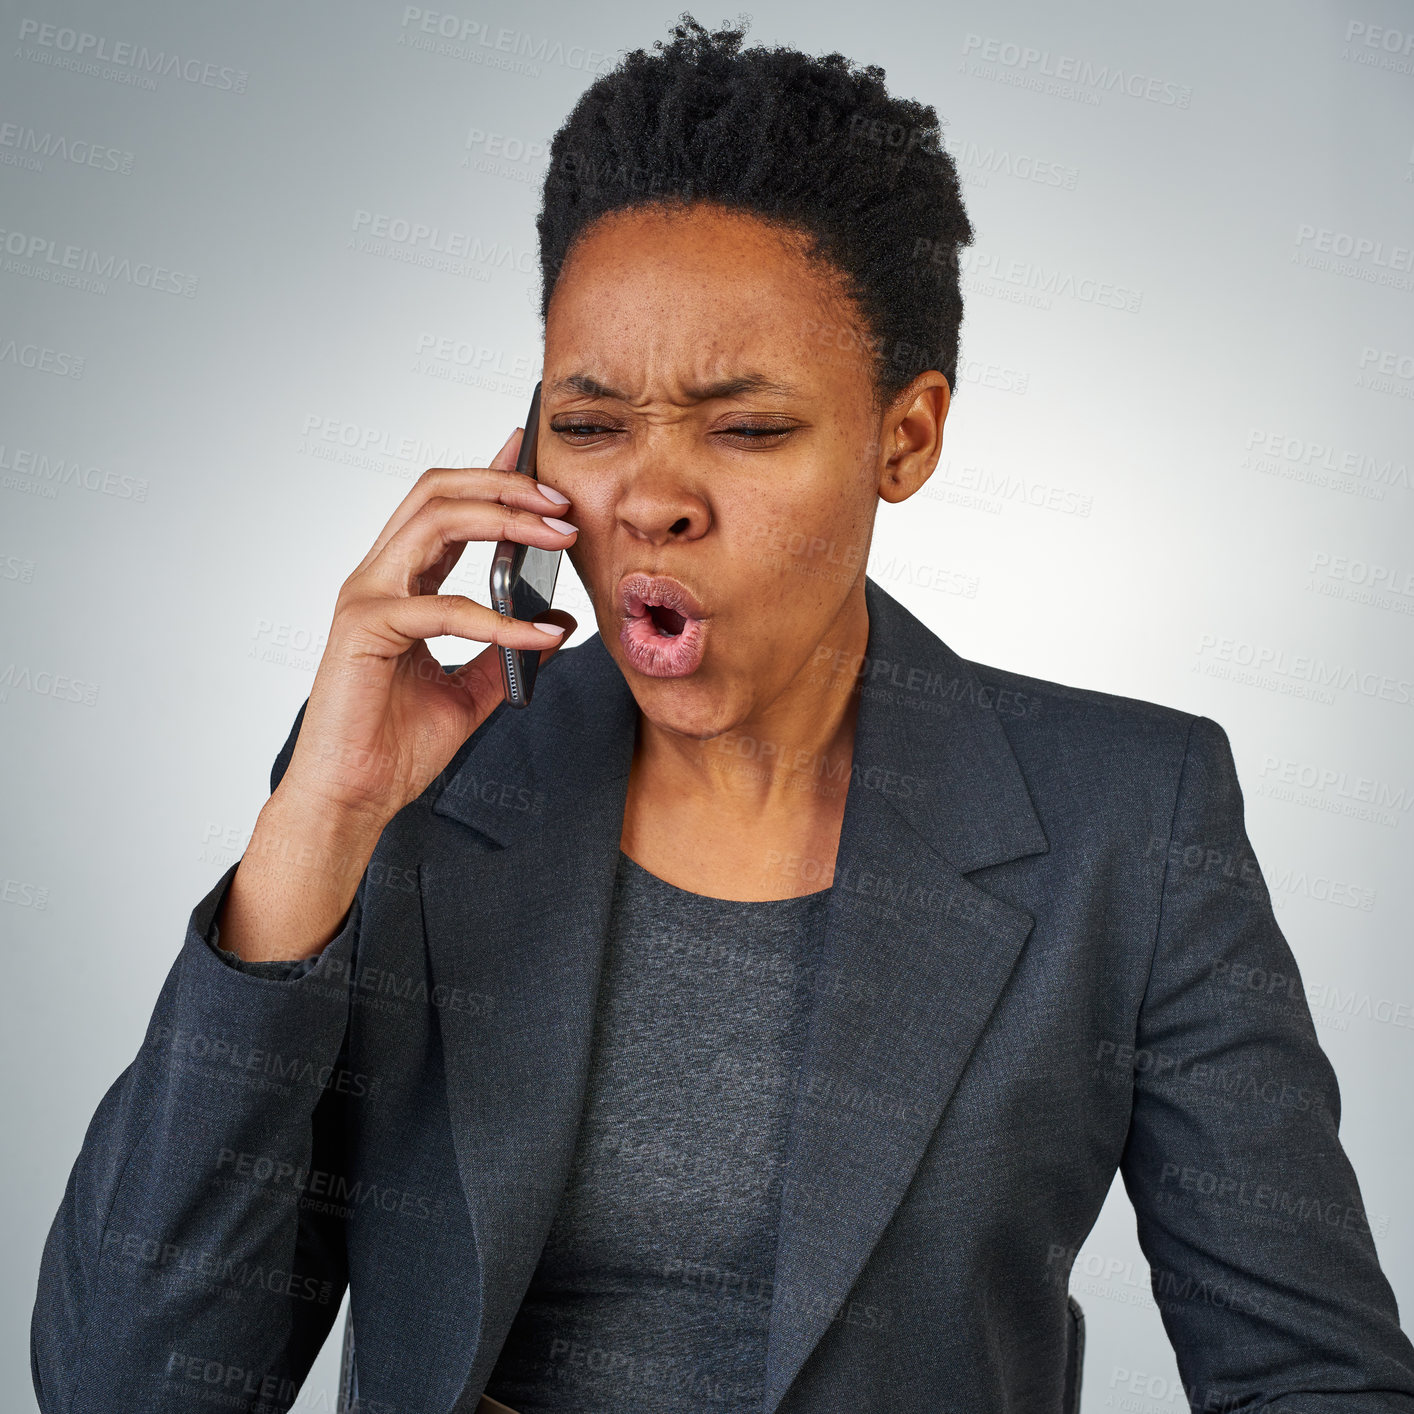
(664, 627)
(668, 621)
(667, 602)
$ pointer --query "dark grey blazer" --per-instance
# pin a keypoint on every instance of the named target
(1040, 942)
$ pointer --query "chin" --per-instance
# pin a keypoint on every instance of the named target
(685, 706)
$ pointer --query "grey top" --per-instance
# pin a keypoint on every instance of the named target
(653, 1291)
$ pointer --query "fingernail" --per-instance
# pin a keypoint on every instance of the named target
(561, 525)
(554, 495)
(551, 628)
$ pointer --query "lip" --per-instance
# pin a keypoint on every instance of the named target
(651, 652)
(637, 588)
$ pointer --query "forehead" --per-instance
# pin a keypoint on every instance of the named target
(699, 289)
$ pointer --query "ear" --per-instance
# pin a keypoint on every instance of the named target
(911, 435)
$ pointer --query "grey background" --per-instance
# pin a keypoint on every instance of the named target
(1177, 466)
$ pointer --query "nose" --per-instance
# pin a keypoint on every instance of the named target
(660, 509)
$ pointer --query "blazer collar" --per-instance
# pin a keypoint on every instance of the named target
(923, 713)
(935, 793)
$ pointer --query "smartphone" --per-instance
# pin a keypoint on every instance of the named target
(523, 579)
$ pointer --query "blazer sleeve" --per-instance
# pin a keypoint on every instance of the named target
(186, 1256)
(1261, 1253)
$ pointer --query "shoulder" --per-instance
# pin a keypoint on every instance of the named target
(1088, 742)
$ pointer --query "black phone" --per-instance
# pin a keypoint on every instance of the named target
(523, 579)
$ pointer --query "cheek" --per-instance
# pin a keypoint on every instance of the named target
(581, 558)
(826, 507)
(591, 509)
(798, 544)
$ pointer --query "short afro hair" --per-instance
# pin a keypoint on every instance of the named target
(816, 145)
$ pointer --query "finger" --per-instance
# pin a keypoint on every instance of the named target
(556, 616)
(431, 581)
(419, 493)
(502, 484)
(387, 628)
(482, 675)
(505, 488)
(505, 459)
(446, 522)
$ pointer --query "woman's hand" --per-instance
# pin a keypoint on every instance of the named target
(383, 718)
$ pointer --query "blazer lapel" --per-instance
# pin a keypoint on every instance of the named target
(523, 927)
(920, 955)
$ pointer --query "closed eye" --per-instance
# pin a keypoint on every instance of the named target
(578, 432)
(754, 433)
(581, 429)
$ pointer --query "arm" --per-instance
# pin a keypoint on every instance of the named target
(283, 970)
(180, 1244)
(1262, 1257)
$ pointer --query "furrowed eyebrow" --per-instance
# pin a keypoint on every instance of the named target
(591, 387)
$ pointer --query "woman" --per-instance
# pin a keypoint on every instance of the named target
(758, 1020)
